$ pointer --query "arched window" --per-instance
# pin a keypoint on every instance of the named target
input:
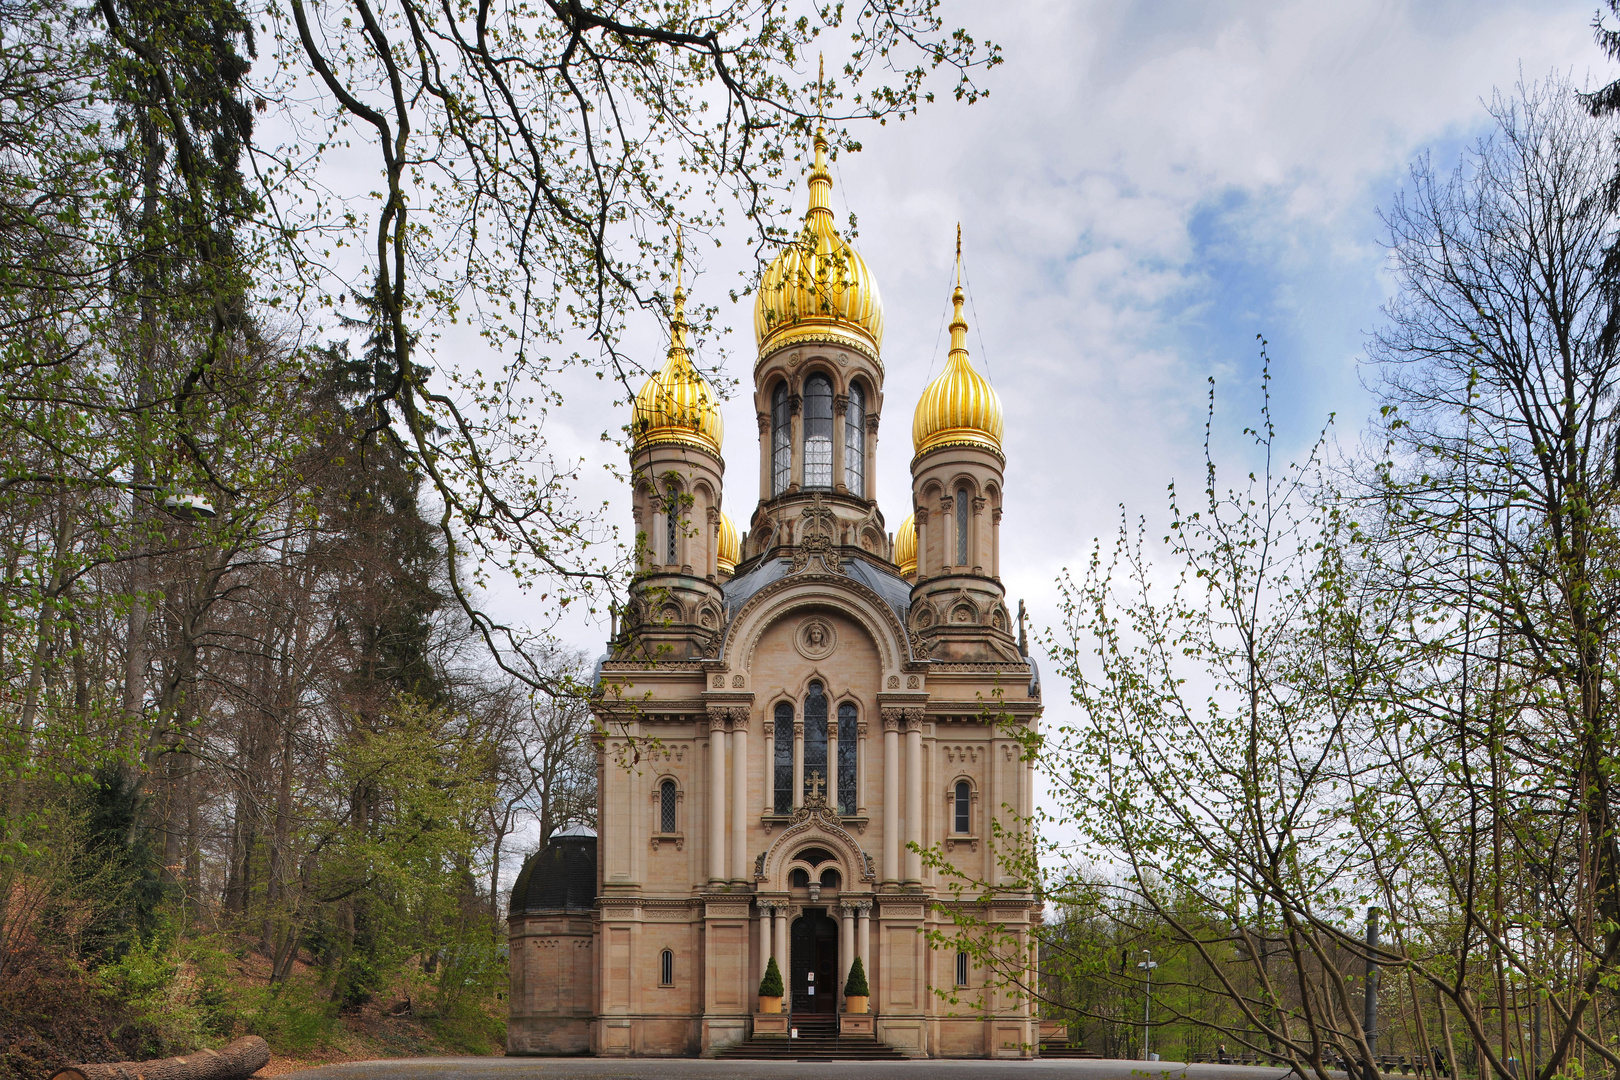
(784, 758)
(964, 799)
(666, 806)
(818, 432)
(831, 878)
(666, 968)
(799, 879)
(672, 526)
(847, 801)
(815, 739)
(961, 526)
(855, 442)
(781, 440)
(961, 969)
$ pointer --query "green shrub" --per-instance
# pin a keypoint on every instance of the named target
(291, 1017)
(771, 984)
(160, 995)
(856, 986)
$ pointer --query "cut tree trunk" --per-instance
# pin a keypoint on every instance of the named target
(239, 1060)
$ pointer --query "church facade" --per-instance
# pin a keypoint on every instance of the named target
(790, 717)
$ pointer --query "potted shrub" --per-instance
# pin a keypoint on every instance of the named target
(770, 989)
(857, 995)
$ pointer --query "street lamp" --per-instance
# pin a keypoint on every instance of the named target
(1147, 965)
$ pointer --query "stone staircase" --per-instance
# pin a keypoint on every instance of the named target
(818, 1041)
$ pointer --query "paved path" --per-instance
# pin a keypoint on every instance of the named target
(533, 1068)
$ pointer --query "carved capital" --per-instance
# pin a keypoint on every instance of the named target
(739, 719)
(840, 404)
(865, 907)
(860, 730)
(978, 504)
(871, 422)
(794, 403)
(764, 423)
(920, 515)
(798, 729)
(892, 720)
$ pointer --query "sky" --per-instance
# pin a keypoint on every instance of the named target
(1147, 188)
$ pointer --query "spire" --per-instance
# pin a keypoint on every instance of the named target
(820, 178)
(677, 321)
(959, 407)
(959, 326)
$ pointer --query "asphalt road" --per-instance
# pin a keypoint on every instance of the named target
(522, 1068)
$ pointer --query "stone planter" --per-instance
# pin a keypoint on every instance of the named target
(856, 1003)
(770, 1004)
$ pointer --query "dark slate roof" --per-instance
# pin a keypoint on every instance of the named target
(562, 877)
(885, 582)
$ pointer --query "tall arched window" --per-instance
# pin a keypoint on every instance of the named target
(846, 802)
(781, 440)
(961, 526)
(784, 758)
(666, 968)
(964, 799)
(672, 527)
(815, 738)
(855, 442)
(818, 432)
(666, 806)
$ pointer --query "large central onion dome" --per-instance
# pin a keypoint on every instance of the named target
(819, 288)
(905, 547)
(677, 405)
(960, 407)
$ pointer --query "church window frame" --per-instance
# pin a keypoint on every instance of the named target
(666, 968)
(846, 767)
(781, 439)
(961, 967)
(817, 712)
(962, 807)
(668, 796)
(855, 441)
(782, 757)
(818, 432)
(963, 500)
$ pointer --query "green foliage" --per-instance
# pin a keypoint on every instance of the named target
(770, 985)
(293, 1017)
(856, 986)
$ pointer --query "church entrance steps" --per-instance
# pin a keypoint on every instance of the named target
(818, 1041)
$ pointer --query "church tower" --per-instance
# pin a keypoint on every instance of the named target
(681, 534)
(958, 606)
(818, 387)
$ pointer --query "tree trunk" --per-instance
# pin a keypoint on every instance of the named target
(239, 1060)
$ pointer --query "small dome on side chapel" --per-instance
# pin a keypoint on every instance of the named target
(730, 550)
(960, 407)
(818, 287)
(677, 405)
(905, 547)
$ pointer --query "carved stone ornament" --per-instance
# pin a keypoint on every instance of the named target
(815, 639)
(822, 822)
(894, 682)
(818, 538)
(919, 647)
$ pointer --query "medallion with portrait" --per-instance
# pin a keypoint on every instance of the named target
(815, 639)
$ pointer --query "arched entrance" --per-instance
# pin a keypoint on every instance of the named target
(813, 950)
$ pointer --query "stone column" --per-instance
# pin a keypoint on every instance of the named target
(769, 786)
(764, 456)
(914, 811)
(863, 937)
(717, 798)
(740, 870)
(796, 453)
(781, 952)
(860, 768)
(871, 449)
(846, 945)
(891, 795)
(840, 415)
(798, 763)
(766, 937)
(832, 758)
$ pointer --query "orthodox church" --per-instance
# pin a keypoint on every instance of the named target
(790, 717)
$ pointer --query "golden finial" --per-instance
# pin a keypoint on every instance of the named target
(959, 254)
(821, 86)
(677, 322)
(960, 407)
(959, 325)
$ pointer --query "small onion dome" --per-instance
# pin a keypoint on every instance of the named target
(818, 287)
(730, 550)
(677, 405)
(960, 407)
(905, 547)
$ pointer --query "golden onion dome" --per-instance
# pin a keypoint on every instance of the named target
(730, 550)
(905, 547)
(677, 405)
(960, 407)
(819, 288)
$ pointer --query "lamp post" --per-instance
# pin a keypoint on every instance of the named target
(1147, 965)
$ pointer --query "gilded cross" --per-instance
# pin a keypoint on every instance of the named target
(816, 784)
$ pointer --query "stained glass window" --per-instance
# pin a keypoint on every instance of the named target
(666, 806)
(961, 526)
(784, 758)
(847, 748)
(818, 432)
(815, 738)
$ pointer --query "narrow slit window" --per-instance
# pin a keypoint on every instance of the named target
(961, 526)
(855, 442)
(964, 797)
(781, 440)
(961, 969)
(666, 807)
(666, 968)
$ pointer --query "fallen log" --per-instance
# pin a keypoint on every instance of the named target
(238, 1061)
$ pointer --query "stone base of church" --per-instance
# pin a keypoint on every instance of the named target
(977, 1038)
(720, 1032)
(548, 1036)
(647, 1036)
(771, 1025)
(856, 1025)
